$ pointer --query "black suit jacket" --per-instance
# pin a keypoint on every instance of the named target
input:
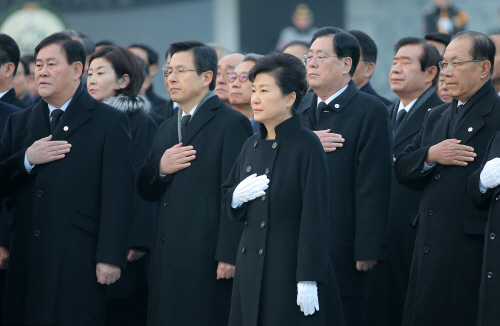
(368, 89)
(450, 229)
(360, 181)
(389, 279)
(166, 110)
(154, 98)
(10, 98)
(192, 232)
(68, 214)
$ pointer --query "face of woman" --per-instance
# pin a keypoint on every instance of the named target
(269, 105)
(102, 82)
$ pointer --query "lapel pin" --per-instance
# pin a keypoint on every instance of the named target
(337, 106)
(65, 128)
(470, 129)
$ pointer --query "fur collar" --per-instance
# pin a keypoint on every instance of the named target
(129, 104)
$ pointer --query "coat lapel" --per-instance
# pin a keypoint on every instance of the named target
(38, 121)
(201, 117)
(77, 113)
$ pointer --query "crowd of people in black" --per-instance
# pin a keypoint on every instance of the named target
(276, 189)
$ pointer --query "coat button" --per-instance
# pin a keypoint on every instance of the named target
(497, 198)
(152, 180)
(437, 176)
(243, 250)
(490, 274)
(426, 250)
(249, 169)
(263, 198)
(255, 144)
(266, 171)
(166, 203)
(263, 224)
(37, 233)
(275, 144)
(39, 193)
(246, 223)
(431, 212)
(492, 236)
(162, 239)
(261, 251)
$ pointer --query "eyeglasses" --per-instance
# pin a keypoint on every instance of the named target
(177, 71)
(223, 75)
(454, 64)
(243, 77)
(317, 58)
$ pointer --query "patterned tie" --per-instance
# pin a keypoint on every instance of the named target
(56, 117)
(184, 122)
(321, 107)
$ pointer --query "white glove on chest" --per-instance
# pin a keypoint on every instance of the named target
(490, 176)
(249, 189)
(307, 297)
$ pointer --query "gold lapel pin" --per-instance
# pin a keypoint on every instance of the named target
(65, 128)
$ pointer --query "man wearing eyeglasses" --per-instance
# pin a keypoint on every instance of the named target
(226, 65)
(413, 73)
(446, 268)
(355, 131)
(194, 250)
(240, 91)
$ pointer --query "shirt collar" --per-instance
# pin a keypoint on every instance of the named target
(331, 98)
(2, 94)
(64, 107)
(193, 110)
(175, 105)
(408, 107)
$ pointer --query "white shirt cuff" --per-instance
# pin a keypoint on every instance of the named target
(427, 167)
(27, 165)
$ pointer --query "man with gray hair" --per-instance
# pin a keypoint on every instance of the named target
(446, 268)
(240, 88)
(225, 66)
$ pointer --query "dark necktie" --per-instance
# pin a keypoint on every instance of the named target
(321, 107)
(184, 122)
(400, 117)
(56, 117)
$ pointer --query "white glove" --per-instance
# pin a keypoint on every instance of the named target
(490, 176)
(249, 189)
(307, 297)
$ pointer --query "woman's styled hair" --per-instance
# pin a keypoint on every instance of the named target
(123, 62)
(288, 71)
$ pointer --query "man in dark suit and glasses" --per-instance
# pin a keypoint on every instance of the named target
(9, 61)
(413, 74)
(67, 162)
(194, 248)
(355, 131)
(446, 268)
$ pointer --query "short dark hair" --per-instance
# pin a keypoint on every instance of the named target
(293, 43)
(9, 51)
(25, 62)
(205, 57)
(74, 49)
(87, 43)
(344, 44)
(105, 43)
(367, 46)
(483, 47)
(431, 56)
(438, 37)
(288, 71)
(152, 54)
(123, 62)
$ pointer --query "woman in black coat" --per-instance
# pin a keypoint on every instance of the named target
(115, 77)
(283, 271)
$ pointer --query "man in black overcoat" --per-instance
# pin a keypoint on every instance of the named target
(195, 244)
(9, 61)
(446, 267)
(355, 131)
(67, 162)
(413, 74)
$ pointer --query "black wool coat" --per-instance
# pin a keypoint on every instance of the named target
(10, 98)
(446, 267)
(389, 280)
(68, 214)
(360, 181)
(192, 233)
(285, 238)
(489, 297)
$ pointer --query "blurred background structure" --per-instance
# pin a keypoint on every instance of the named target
(235, 25)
